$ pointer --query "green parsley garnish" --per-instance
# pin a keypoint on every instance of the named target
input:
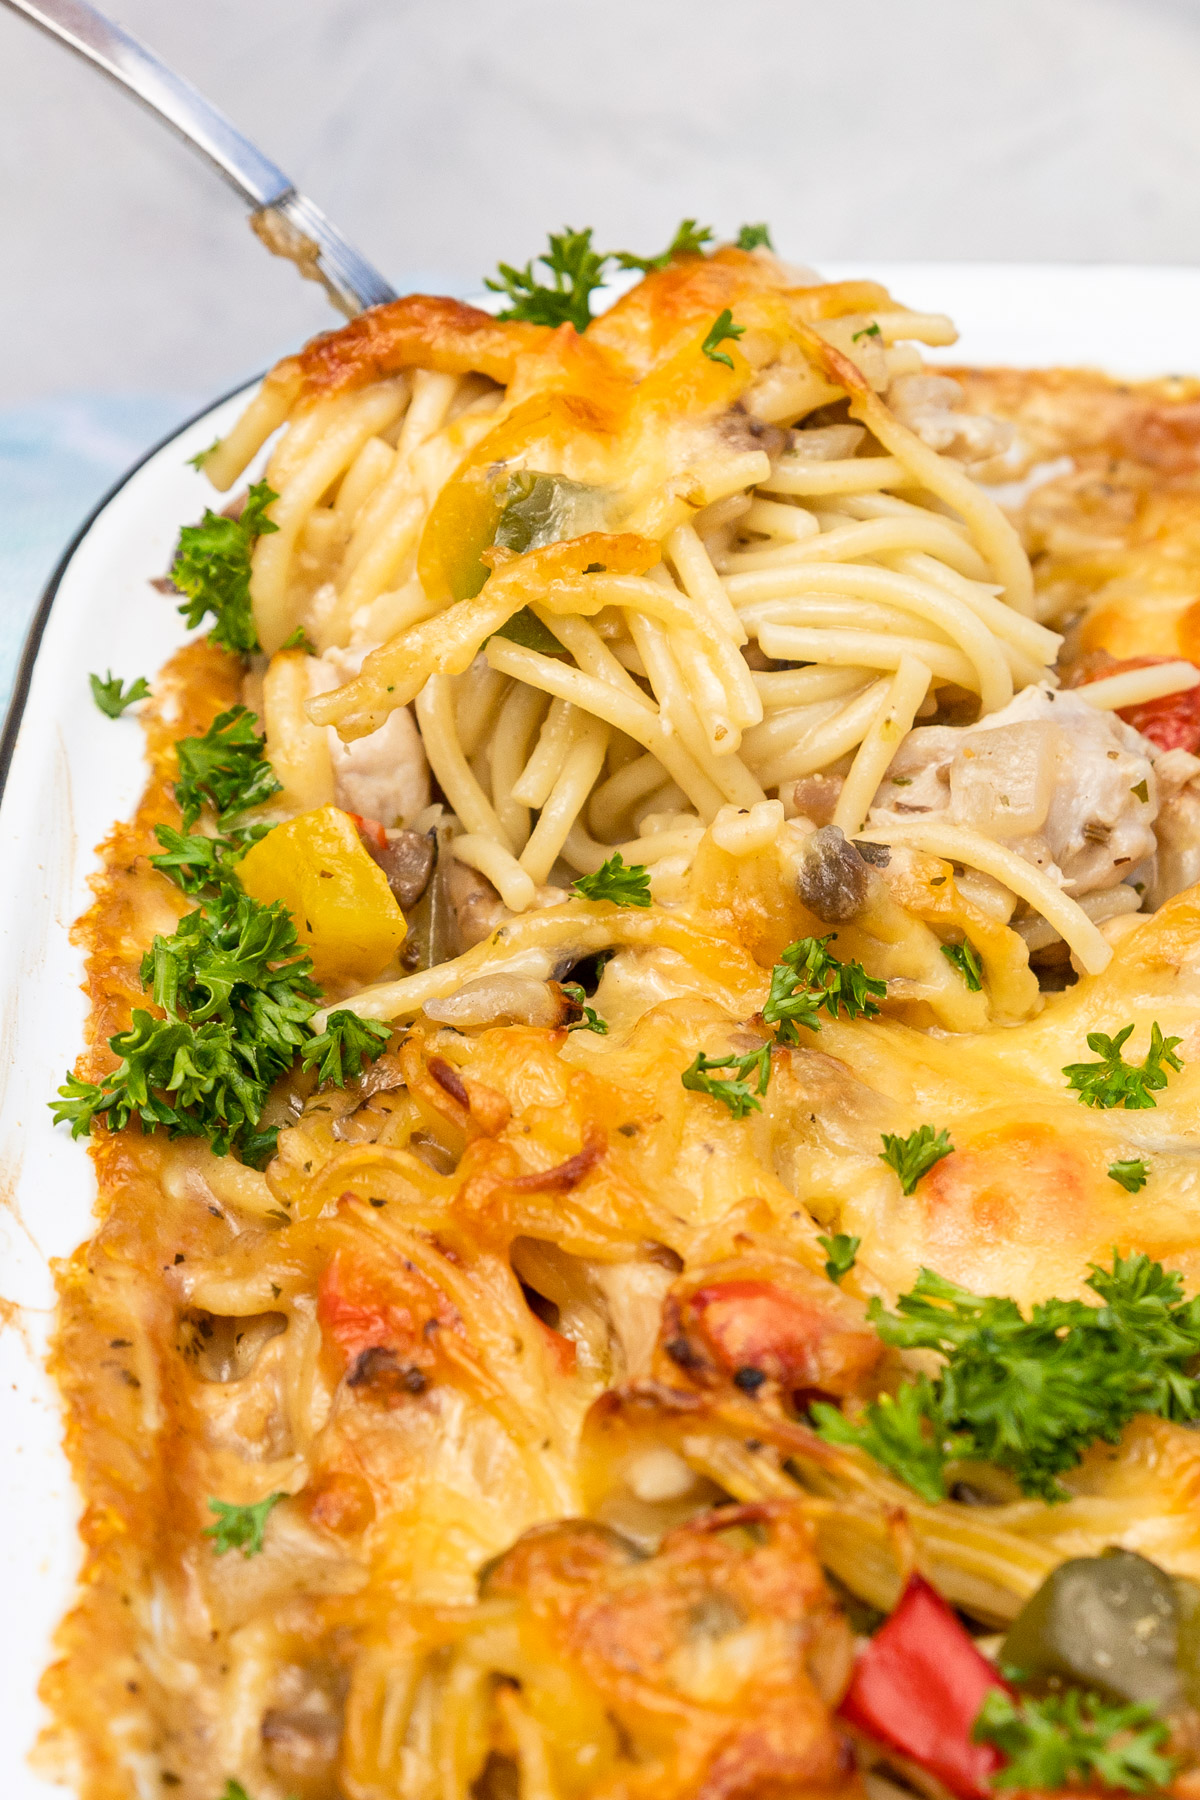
(1142, 792)
(1075, 1738)
(1114, 1082)
(689, 240)
(741, 1093)
(576, 271)
(722, 328)
(591, 1020)
(754, 237)
(841, 1250)
(807, 978)
(212, 569)
(346, 1043)
(237, 998)
(966, 961)
(914, 1156)
(299, 640)
(871, 330)
(897, 1432)
(198, 461)
(240, 1527)
(1132, 1175)
(112, 697)
(625, 884)
(234, 1791)
(1029, 1395)
(238, 1001)
(224, 769)
(232, 983)
(196, 863)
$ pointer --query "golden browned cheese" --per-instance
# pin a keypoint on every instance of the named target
(481, 1321)
(1116, 538)
(458, 339)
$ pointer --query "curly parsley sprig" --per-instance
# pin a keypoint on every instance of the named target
(224, 769)
(1075, 1738)
(1114, 1082)
(914, 1156)
(809, 979)
(237, 999)
(742, 1092)
(212, 569)
(112, 696)
(236, 996)
(241, 1527)
(722, 330)
(233, 987)
(347, 1043)
(689, 240)
(841, 1251)
(574, 270)
(897, 1431)
(1131, 1174)
(196, 863)
(625, 884)
(1029, 1394)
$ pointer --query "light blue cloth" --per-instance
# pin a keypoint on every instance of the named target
(58, 458)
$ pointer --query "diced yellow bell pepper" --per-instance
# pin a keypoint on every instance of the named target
(345, 914)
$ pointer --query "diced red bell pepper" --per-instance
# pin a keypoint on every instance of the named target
(1173, 723)
(372, 831)
(799, 1338)
(918, 1689)
(357, 1311)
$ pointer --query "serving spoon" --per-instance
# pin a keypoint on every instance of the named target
(282, 218)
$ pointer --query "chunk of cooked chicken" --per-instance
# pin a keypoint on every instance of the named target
(932, 406)
(1177, 827)
(383, 776)
(1068, 787)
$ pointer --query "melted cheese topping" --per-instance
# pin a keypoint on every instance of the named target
(479, 1322)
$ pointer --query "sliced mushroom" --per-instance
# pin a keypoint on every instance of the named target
(302, 1729)
(301, 1744)
(833, 880)
(501, 1000)
(476, 906)
(407, 859)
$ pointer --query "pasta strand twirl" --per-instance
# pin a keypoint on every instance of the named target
(435, 715)
(890, 725)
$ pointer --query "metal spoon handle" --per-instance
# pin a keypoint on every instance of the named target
(286, 222)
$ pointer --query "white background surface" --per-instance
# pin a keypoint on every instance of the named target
(444, 134)
(75, 771)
